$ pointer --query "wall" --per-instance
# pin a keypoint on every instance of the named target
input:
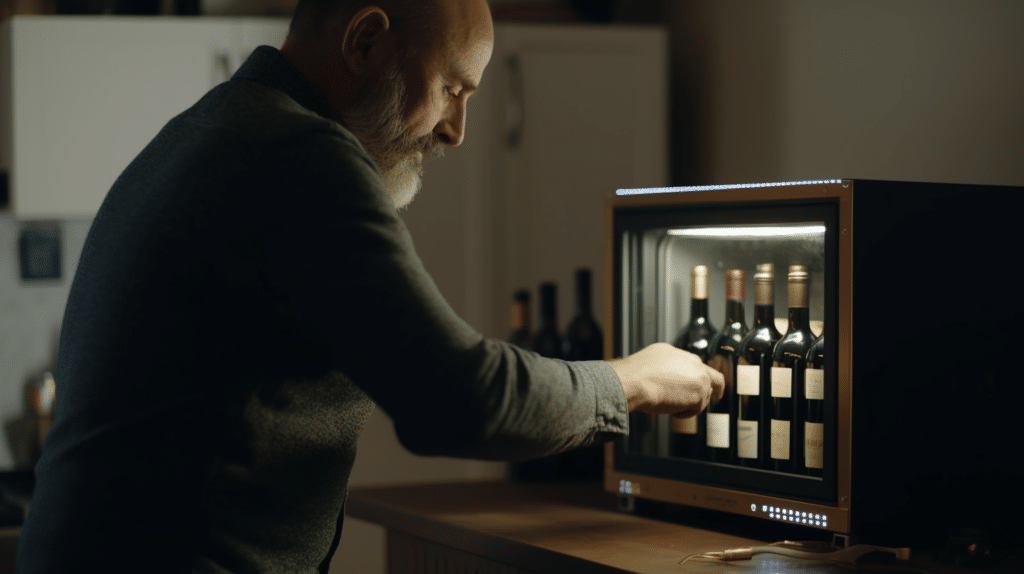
(920, 90)
(30, 316)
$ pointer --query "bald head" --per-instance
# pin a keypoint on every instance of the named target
(398, 72)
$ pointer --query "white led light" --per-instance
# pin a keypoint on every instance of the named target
(817, 517)
(764, 508)
(761, 231)
(699, 188)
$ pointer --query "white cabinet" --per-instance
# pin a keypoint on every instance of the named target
(83, 95)
(586, 110)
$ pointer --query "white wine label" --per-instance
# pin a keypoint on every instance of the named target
(685, 426)
(814, 439)
(780, 439)
(782, 382)
(814, 384)
(747, 377)
(718, 430)
(746, 439)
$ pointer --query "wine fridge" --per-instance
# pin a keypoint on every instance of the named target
(865, 330)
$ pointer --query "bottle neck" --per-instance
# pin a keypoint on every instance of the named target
(734, 311)
(520, 316)
(764, 315)
(799, 319)
(698, 308)
(583, 302)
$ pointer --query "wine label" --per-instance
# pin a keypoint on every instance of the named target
(780, 439)
(814, 440)
(814, 384)
(718, 430)
(782, 382)
(746, 439)
(747, 379)
(685, 426)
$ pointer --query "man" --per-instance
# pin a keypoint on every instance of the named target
(247, 293)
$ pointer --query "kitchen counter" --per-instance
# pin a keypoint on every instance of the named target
(505, 527)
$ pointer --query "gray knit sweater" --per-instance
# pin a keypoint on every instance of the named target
(245, 295)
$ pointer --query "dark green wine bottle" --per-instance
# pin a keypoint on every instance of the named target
(688, 434)
(814, 409)
(725, 347)
(753, 375)
(787, 377)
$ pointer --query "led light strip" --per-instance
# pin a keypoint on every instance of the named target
(776, 231)
(793, 516)
(698, 188)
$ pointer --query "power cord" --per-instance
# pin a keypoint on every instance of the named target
(814, 551)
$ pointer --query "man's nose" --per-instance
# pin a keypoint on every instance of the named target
(451, 129)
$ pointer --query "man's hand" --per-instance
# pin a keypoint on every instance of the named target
(664, 380)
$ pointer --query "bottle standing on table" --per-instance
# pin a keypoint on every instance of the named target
(787, 376)
(814, 410)
(521, 335)
(720, 436)
(753, 370)
(583, 340)
(687, 436)
(546, 340)
(547, 343)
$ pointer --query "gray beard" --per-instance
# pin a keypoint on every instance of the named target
(377, 121)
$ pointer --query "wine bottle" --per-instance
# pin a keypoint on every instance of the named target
(753, 367)
(546, 341)
(583, 340)
(687, 438)
(521, 334)
(814, 410)
(787, 376)
(724, 350)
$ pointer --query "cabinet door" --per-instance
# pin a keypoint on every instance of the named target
(585, 114)
(90, 92)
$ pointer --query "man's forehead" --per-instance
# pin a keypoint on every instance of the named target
(467, 34)
(464, 21)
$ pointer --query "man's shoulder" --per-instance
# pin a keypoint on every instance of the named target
(263, 115)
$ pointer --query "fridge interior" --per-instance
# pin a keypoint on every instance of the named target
(655, 289)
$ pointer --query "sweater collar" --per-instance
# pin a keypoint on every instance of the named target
(268, 65)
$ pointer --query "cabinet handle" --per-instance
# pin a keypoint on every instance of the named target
(515, 107)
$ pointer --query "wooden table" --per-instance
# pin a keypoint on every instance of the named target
(515, 528)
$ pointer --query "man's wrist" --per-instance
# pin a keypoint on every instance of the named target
(634, 390)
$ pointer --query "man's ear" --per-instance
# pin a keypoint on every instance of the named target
(366, 43)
